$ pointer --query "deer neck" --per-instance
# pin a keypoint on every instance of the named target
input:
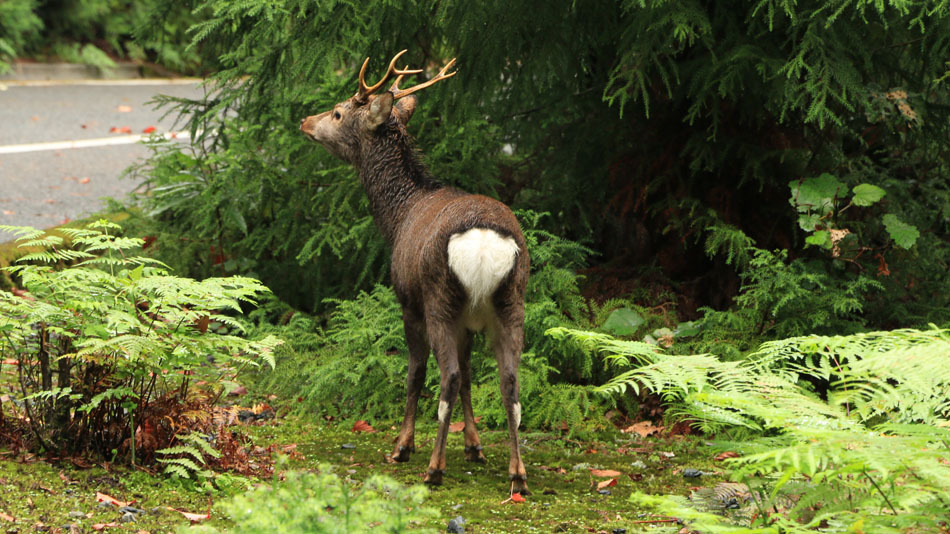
(394, 178)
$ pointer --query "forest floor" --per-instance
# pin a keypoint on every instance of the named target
(61, 496)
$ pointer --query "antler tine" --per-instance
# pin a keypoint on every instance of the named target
(399, 93)
(365, 90)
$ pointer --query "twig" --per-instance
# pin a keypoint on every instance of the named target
(873, 483)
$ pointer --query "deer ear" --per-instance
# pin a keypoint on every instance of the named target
(405, 108)
(379, 110)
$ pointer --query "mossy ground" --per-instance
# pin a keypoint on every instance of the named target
(40, 494)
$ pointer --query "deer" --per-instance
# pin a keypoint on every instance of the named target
(459, 262)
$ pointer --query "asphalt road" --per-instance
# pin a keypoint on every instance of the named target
(44, 184)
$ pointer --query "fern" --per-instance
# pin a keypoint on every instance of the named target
(873, 448)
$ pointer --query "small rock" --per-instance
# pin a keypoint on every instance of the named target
(157, 510)
(131, 510)
(456, 526)
(246, 416)
(619, 531)
(347, 446)
(104, 504)
(638, 464)
(689, 472)
(127, 517)
(456, 507)
(76, 514)
(604, 492)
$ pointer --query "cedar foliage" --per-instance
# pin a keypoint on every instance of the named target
(638, 125)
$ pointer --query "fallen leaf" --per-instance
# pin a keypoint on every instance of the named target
(643, 429)
(102, 497)
(120, 129)
(516, 497)
(605, 473)
(149, 129)
(124, 109)
(194, 518)
(7, 517)
(103, 526)
(724, 455)
(459, 426)
(606, 483)
(84, 180)
(362, 426)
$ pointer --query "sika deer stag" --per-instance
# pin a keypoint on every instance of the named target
(459, 261)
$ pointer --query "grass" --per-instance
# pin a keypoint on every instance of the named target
(564, 499)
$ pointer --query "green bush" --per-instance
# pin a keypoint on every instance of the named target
(307, 503)
(106, 337)
(655, 122)
(869, 454)
(95, 32)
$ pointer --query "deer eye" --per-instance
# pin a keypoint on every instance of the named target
(336, 115)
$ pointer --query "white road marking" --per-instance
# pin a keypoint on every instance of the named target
(88, 143)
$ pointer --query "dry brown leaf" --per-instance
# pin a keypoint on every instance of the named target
(362, 426)
(103, 526)
(606, 483)
(643, 429)
(605, 473)
(194, 518)
(102, 497)
(7, 517)
(724, 455)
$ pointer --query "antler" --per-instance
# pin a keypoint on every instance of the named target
(399, 93)
(365, 91)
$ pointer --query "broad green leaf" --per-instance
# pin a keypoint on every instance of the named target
(623, 322)
(903, 234)
(820, 238)
(815, 194)
(867, 194)
(809, 221)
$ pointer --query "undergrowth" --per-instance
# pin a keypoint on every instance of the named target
(840, 433)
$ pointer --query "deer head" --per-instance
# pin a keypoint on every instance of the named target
(352, 124)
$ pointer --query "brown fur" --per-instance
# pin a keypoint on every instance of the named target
(418, 215)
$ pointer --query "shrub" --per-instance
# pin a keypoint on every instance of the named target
(105, 338)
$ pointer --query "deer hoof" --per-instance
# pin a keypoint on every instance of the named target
(473, 453)
(434, 477)
(401, 454)
(519, 485)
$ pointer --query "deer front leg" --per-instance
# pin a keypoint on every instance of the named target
(418, 356)
(507, 346)
(473, 446)
(444, 343)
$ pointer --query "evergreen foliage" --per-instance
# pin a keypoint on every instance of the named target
(654, 122)
(104, 335)
(869, 454)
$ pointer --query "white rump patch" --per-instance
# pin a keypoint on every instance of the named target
(481, 259)
(443, 411)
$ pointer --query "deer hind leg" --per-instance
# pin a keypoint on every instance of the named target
(508, 340)
(444, 340)
(473, 446)
(418, 356)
